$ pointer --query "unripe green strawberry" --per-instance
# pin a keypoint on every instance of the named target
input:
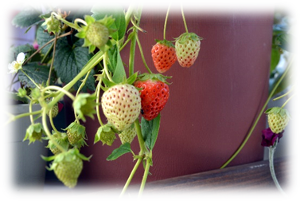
(67, 166)
(96, 33)
(187, 47)
(76, 133)
(54, 111)
(278, 119)
(121, 104)
(127, 135)
(34, 132)
(61, 139)
(53, 24)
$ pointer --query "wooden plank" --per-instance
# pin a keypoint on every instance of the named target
(245, 181)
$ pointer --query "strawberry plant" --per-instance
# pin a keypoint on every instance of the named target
(80, 57)
(80, 46)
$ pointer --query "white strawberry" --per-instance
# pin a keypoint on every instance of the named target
(187, 47)
(278, 119)
(127, 135)
(121, 104)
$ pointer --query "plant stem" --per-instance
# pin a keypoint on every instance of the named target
(89, 65)
(132, 46)
(128, 15)
(97, 101)
(143, 148)
(131, 175)
(165, 25)
(50, 41)
(13, 118)
(284, 104)
(271, 165)
(62, 90)
(51, 121)
(106, 68)
(183, 18)
(30, 111)
(257, 119)
(146, 172)
(30, 78)
(142, 55)
(53, 55)
(287, 93)
(44, 121)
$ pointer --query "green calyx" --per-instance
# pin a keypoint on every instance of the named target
(165, 42)
(96, 33)
(278, 110)
(34, 132)
(159, 77)
(188, 36)
(61, 139)
(75, 132)
(68, 156)
(84, 105)
(106, 134)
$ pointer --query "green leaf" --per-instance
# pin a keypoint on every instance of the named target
(150, 131)
(287, 42)
(132, 78)
(27, 18)
(69, 61)
(119, 75)
(275, 57)
(100, 10)
(123, 149)
(27, 49)
(37, 72)
(42, 38)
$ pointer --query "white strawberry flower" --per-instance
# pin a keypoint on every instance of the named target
(14, 66)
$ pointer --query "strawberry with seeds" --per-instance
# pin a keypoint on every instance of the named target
(154, 94)
(187, 46)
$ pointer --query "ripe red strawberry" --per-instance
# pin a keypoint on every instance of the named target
(163, 55)
(154, 96)
(187, 48)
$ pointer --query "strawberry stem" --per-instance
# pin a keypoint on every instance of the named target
(271, 165)
(51, 66)
(257, 119)
(165, 25)
(287, 101)
(133, 44)
(146, 172)
(30, 111)
(183, 18)
(142, 55)
(131, 175)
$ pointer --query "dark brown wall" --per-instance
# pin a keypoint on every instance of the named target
(212, 104)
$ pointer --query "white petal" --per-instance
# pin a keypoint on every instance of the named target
(10, 66)
(21, 58)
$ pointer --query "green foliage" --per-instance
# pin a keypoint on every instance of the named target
(27, 18)
(123, 149)
(119, 23)
(150, 131)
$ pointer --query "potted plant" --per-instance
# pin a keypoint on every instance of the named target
(114, 105)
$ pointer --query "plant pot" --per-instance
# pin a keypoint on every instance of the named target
(212, 104)
(28, 168)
